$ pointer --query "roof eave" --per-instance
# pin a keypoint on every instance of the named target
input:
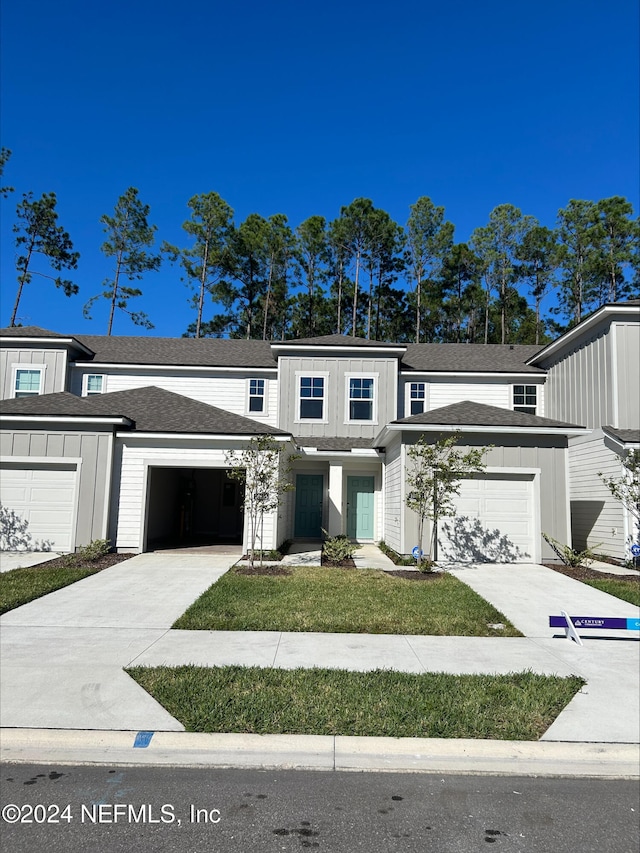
(525, 430)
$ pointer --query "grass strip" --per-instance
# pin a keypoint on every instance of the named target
(344, 601)
(19, 586)
(624, 589)
(383, 703)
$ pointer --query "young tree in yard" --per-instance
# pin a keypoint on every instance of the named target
(206, 260)
(433, 479)
(265, 475)
(39, 234)
(626, 489)
(129, 239)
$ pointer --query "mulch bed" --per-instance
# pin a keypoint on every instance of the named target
(262, 570)
(582, 573)
(73, 561)
(343, 564)
(414, 576)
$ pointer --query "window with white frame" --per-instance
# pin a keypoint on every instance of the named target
(311, 400)
(417, 397)
(256, 395)
(525, 399)
(28, 381)
(361, 398)
(93, 383)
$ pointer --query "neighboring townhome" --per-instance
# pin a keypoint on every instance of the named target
(593, 379)
(127, 438)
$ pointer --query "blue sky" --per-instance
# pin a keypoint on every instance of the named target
(298, 108)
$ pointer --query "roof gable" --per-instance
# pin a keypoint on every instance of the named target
(468, 413)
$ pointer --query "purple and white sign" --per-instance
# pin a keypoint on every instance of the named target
(610, 623)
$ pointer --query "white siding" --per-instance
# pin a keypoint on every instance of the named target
(226, 391)
(596, 518)
(392, 525)
(136, 457)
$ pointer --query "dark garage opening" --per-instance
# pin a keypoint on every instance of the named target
(193, 507)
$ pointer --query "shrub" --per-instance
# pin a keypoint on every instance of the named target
(396, 558)
(336, 549)
(569, 556)
(93, 551)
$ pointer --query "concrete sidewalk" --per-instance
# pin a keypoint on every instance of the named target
(63, 655)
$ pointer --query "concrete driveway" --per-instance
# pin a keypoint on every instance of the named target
(61, 656)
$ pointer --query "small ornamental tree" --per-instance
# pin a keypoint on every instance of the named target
(265, 477)
(626, 489)
(433, 479)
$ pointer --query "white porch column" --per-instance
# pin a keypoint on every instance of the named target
(335, 499)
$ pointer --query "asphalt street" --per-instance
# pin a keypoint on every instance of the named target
(112, 809)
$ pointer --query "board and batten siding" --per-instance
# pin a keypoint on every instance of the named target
(336, 395)
(548, 454)
(392, 524)
(95, 451)
(228, 391)
(53, 360)
(627, 344)
(596, 517)
(133, 458)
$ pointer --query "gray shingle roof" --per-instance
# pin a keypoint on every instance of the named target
(151, 409)
(200, 352)
(29, 332)
(471, 358)
(468, 413)
(626, 436)
(336, 341)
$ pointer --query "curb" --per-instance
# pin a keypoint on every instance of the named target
(311, 752)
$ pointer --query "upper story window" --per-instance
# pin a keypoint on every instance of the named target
(417, 397)
(256, 395)
(361, 401)
(525, 399)
(312, 400)
(28, 381)
(93, 383)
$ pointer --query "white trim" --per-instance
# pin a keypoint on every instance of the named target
(15, 367)
(41, 460)
(66, 419)
(293, 347)
(212, 368)
(73, 342)
(615, 403)
(407, 396)
(582, 327)
(200, 436)
(312, 374)
(404, 509)
(472, 373)
(265, 396)
(106, 515)
(625, 445)
(356, 453)
(359, 374)
(525, 404)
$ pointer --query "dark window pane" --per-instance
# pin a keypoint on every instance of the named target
(256, 404)
(361, 410)
(311, 409)
(417, 407)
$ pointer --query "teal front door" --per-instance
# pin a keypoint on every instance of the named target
(308, 519)
(360, 507)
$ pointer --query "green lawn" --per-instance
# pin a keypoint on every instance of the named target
(343, 601)
(624, 589)
(381, 703)
(20, 586)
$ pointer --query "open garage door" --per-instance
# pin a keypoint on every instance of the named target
(44, 496)
(496, 521)
(189, 507)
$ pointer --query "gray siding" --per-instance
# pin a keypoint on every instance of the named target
(627, 341)
(580, 385)
(94, 448)
(596, 518)
(336, 370)
(54, 360)
(548, 453)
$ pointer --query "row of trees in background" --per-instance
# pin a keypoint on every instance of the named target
(362, 273)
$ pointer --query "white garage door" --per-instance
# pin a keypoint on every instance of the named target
(43, 496)
(495, 521)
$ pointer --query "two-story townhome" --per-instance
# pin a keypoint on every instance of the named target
(593, 379)
(128, 438)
